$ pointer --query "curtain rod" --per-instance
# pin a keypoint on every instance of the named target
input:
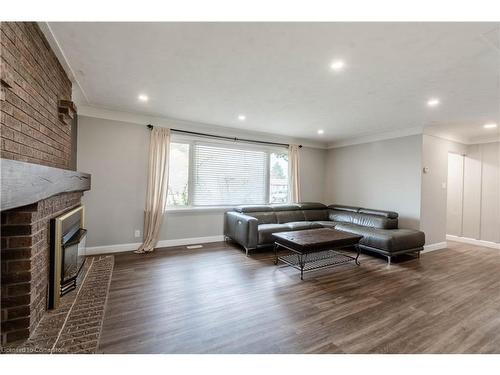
(224, 137)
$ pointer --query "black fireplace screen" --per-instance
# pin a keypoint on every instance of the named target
(73, 257)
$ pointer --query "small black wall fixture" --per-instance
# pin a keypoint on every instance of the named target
(234, 139)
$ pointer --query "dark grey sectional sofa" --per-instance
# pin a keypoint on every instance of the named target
(252, 226)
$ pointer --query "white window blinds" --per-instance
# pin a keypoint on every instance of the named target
(229, 176)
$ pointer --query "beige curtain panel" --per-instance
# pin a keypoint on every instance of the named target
(156, 196)
(293, 174)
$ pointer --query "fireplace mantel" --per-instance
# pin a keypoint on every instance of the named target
(26, 183)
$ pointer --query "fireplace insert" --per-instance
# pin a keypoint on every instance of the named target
(68, 253)
(72, 258)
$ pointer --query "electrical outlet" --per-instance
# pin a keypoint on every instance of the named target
(137, 233)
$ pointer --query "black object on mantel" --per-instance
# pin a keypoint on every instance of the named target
(226, 138)
(25, 183)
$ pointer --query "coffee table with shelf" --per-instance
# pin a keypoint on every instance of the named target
(313, 249)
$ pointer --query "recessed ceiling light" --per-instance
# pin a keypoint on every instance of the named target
(337, 65)
(242, 117)
(490, 126)
(321, 131)
(143, 98)
(433, 102)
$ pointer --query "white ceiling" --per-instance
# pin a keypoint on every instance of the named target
(278, 74)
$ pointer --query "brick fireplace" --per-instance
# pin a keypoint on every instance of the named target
(25, 263)
(38, 130)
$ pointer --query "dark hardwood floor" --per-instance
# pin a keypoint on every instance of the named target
(216, 300)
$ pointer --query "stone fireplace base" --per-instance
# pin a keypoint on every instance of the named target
(25, 261)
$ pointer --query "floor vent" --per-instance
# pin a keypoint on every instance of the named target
(194, 246)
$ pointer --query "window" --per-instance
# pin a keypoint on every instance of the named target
(223, 174)
(178, 176)
(278, 182)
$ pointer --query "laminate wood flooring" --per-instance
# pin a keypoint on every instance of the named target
(217, 300)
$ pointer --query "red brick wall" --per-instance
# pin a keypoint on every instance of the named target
(32, 82)
(25, 263)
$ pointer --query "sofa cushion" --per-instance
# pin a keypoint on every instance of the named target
(312, 206)
(341, 207)
(390, 240)
(374, 221)
(341, 216)
(388, 214)
(266, 230)
(250, 208)
(323, 224)
(264, 217)
(284, 207)
(288, 216)
(314, 215)
(299, 225)
(365, 220)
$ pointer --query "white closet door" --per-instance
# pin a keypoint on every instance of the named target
(472, 193)
(455, 194)
(490, 196)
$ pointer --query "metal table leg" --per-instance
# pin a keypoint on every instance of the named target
(302, 262)
(357, 255)
(276, 253)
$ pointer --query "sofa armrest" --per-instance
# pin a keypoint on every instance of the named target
(241, 228)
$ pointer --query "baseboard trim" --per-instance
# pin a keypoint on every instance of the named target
(108, 249)
(119, 248)
(435, 246)
(473, 241)
(189, 241)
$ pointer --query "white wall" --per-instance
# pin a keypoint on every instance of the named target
(478, 218)
(312, 174)
(115, 153)
(382, 175)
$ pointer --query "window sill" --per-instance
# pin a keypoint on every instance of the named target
(190, 210)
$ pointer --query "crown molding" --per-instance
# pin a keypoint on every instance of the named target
(144, 119)
(399, 133)
(446, 136)
(489, 138)
(483, 140)
(377, 136)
